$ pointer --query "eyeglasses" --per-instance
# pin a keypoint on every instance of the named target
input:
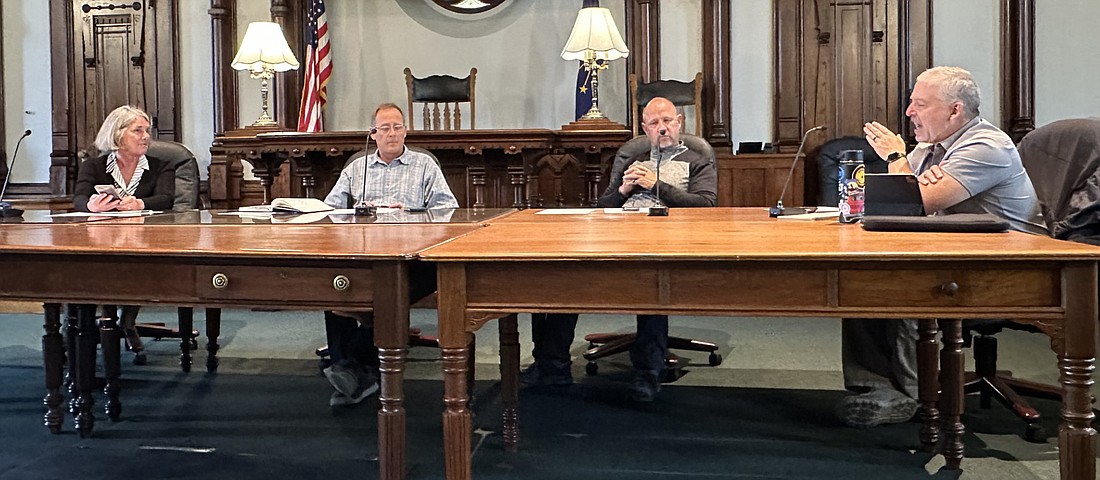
(386, 129)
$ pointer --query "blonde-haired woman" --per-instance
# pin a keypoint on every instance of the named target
(143, 182)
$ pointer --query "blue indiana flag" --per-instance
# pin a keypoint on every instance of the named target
(583, 91)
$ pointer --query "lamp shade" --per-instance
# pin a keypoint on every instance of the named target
(594, 32)
(264, 45)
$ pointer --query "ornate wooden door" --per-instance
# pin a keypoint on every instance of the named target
(122, 52)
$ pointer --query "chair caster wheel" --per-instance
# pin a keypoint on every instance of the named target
(715, 359)
(592, 368)
(1035, 433)
(672, 362)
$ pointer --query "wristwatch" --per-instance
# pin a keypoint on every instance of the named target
(895, 156)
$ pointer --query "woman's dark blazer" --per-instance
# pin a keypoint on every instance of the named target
(157, 186)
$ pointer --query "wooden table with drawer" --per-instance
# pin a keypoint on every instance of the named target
(739, 262)
(307, 267)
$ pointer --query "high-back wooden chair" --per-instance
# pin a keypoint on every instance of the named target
(681, 94)
(441, 90)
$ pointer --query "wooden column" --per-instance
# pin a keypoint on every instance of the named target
(643, 37)
(288, 14)
(62, 178)
(1018, 67)
(224, 188)
(914, 29)
(716, 72)
(223, 29)
(643, 31)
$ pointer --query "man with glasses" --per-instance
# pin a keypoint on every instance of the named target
(687, 180)
(396, 177)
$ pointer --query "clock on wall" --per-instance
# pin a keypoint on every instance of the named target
(469, 6)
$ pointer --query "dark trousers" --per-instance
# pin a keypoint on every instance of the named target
(553, 335)
(350, 343)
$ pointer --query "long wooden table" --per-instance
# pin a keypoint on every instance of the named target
(739, 262)
(158, 260)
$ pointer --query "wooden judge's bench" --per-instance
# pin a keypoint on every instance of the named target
(518, 168)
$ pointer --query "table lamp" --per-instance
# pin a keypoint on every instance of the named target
(595, 40)
(263, 52)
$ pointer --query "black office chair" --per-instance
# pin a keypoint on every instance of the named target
(604, 344)
(187, 198)
(445, 90)
(1062, 159)
(828, 164)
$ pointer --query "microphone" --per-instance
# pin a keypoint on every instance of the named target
(6, 208)
(778, 209)
(659, 210)
(362, 209)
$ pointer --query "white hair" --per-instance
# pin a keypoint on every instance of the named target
(955, 85)
(110, 133)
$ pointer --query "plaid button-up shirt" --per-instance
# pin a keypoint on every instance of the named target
(413, 179)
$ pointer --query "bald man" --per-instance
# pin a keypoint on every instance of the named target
(687, 180)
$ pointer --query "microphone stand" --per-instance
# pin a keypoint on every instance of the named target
(659, 210)
(778, 209)
(362, 207)
(7, 210)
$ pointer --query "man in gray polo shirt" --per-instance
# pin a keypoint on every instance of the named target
(964, 165)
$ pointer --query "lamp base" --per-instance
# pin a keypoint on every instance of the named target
(598, 123)
(265, 120)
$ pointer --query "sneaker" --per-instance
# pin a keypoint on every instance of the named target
(353, 383)
(340, 400)
(877, 407)
(537, 375)
(644, 388)
(343, 379)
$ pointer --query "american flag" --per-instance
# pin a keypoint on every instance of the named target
(318, 70)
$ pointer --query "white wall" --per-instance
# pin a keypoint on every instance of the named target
(196, 88)
(681, 45)
(27, 87)
(967, 34)
(752, 44)
(522, 82)
(1067, 65)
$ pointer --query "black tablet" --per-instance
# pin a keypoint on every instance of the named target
(892, 194)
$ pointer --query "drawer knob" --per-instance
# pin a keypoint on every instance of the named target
(341, 283)
(220, 280)
(949, 289)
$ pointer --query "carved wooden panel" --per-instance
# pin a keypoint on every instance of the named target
(109, 53)
(840, 64)
(757, 179)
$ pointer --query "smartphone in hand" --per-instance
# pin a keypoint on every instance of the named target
(109, 190)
